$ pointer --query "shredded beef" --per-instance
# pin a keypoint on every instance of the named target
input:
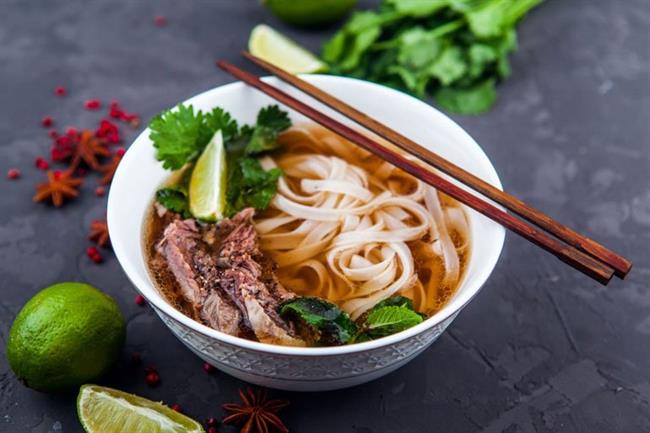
(225, 277)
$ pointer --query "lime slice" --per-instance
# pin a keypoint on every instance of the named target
(267, 44)
(208, 181)
(106, 410)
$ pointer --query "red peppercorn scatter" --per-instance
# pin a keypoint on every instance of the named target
(176, 407)
(47, 121)
(100, 191)
(94, 254)
(109, 131)
(117, 112)
(59, 91)
(139, 299)
(93, 104)
(212, 430)
(41, 163)
(13, 173)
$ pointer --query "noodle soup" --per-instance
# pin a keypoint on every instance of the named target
(351, 228)
(345, 241)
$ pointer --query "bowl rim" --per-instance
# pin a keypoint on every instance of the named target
(449, 310)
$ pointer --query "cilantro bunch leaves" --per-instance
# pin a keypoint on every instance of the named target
(181, 135)
(453, 50)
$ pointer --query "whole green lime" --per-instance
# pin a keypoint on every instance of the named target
(310, 12)
(66, 335)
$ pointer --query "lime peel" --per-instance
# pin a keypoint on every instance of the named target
(207, 189)
(107, 410)
(272, 46)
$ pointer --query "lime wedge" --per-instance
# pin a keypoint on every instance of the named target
(106, 410)
(208, 181)
(267, 44)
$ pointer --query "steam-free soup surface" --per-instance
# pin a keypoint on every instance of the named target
(347, 227)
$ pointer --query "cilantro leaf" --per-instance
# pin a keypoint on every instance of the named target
(448, 49)
(467, 100)
(318, 321)
(219, 119)
(174, 199)
(249, 185)
(271, 121)
(179, 136)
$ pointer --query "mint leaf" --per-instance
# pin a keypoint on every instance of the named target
(389, 316)
(318, 321)
(174, 199)
(395, 301)
(389, 320)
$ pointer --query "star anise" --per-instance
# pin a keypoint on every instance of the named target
(60, 186)
(99, 233)
(257, 413)
(108, 169)
(88, 149)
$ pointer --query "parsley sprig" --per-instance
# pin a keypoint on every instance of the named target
(180, 136)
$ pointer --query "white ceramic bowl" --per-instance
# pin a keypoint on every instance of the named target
(291, 368)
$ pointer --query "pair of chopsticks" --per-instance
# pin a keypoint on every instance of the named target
(578, 251)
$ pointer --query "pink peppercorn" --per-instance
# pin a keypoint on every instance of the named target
(160, 21)
(100, 191)
(208, 368)
(152, 378)
(13, 173)
(59, 91)
(139, 299)
(92, 104)
(94, 254)
(47, 121)
(41, 163)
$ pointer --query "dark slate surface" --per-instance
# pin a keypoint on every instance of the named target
(541, 349)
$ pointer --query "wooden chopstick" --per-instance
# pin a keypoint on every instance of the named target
(620, 264)
(568, 254)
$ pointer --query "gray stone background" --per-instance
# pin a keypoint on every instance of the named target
(541, 349)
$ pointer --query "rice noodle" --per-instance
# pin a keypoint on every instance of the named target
(350, 228)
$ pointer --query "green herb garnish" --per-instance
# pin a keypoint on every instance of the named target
(453, 50)
(318, 321)
(174, 199)
(392, 315)
(181, 135)
(271, 121)
(249, 185)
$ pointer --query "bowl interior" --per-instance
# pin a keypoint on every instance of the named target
(140, 174)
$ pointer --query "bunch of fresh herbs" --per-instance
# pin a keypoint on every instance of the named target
(453, 50)
(181, 135)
